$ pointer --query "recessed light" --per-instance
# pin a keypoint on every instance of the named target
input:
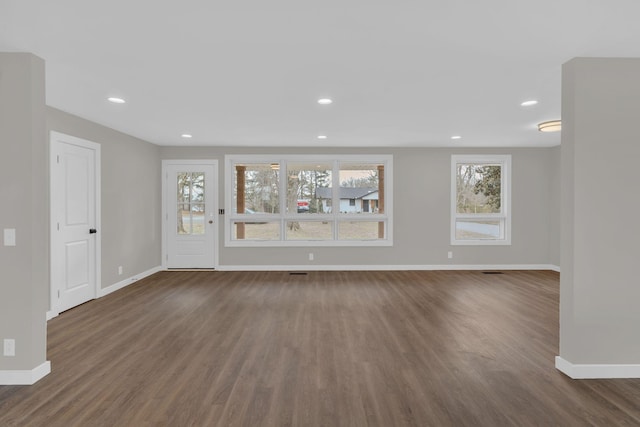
(322, 136)
(550, 126)
(116, 100)
(324, 101)
(456, 137)
(529, 103)
(186, 135)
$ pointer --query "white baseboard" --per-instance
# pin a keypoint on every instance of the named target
(555, 268)
(51, 314)
(312, 267)
(596, 371)
(25, 377)
(126, 282)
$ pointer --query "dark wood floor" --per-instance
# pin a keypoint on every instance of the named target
(329, 348)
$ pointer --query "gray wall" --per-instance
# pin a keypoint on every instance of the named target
(24, 283)
(421, 221)
(599, 286)
(131, 198)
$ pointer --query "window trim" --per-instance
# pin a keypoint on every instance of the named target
(283, 217)
(504, 160)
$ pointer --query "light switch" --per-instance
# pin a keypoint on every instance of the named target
(9, 236)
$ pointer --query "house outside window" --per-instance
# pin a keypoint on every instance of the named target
(289, 200)
(480, 200)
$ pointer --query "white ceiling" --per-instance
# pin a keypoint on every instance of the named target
(248, 72)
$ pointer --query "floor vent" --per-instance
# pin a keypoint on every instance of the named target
(297, 273)
(492, 272)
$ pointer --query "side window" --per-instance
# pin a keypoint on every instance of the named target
(480, 200)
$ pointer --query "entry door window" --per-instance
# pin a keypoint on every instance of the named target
(191, 203)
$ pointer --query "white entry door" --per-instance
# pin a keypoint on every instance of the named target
(190, 214)
(75, 230)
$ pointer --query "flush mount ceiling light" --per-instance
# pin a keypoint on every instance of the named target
(322, 136)
(529, 103)
(550, 126)
(186, 135)
(116, 100)
(456, 137)
(324, 101)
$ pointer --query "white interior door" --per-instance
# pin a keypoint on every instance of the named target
(74, 214)
(190, 214)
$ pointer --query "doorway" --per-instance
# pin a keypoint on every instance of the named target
(75, 221)
(190, 201)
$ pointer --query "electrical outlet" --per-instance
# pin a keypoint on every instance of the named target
(120, 271)
(310, 256)
(449, 254)
(9, 347)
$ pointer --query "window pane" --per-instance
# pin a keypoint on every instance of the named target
(255, 230)
(470, 229)
(197, 186)
(361, 230)
(197, 218)
(308, 187)
(190, 218)
(478, 188)
(309, 230)
(190, 186)
(361, 187)
(184, 220)
(184, 187)
(257, 186)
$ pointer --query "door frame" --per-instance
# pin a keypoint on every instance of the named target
(165, 201)
(55, 137)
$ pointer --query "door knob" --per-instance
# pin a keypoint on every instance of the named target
(210, 221)
(92, 231)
